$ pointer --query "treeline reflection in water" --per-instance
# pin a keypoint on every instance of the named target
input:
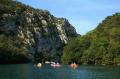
(29, 71)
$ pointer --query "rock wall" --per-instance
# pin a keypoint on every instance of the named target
(37, 30)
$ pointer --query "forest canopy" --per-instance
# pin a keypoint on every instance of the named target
(99, 46)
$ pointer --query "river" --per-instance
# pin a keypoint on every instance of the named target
(29, 71)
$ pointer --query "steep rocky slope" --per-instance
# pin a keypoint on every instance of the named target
(36, 31)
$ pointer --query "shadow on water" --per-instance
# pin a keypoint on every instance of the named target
(29, 71)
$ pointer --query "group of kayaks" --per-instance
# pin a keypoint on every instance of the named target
(57, 65)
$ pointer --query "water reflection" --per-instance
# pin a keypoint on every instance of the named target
(29, 71)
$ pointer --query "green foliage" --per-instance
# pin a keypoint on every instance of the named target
(74, 50)
(8, 5)
(10, 52)
(100, 46)
(108, 59)
(117, 60)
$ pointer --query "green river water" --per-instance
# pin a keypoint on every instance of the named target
(29, 71)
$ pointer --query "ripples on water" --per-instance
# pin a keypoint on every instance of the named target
(29, 71)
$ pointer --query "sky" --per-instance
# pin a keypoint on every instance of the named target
(84, 15)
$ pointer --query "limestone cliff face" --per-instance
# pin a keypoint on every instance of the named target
(37, 30)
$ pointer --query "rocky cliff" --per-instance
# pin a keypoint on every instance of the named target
(36, 30)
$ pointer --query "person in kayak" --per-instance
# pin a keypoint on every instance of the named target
(73, 65)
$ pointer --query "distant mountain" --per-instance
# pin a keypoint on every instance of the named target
(27, 33)
(99, 46)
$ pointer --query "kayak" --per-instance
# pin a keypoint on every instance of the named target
(55, 65)
(73, 65)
